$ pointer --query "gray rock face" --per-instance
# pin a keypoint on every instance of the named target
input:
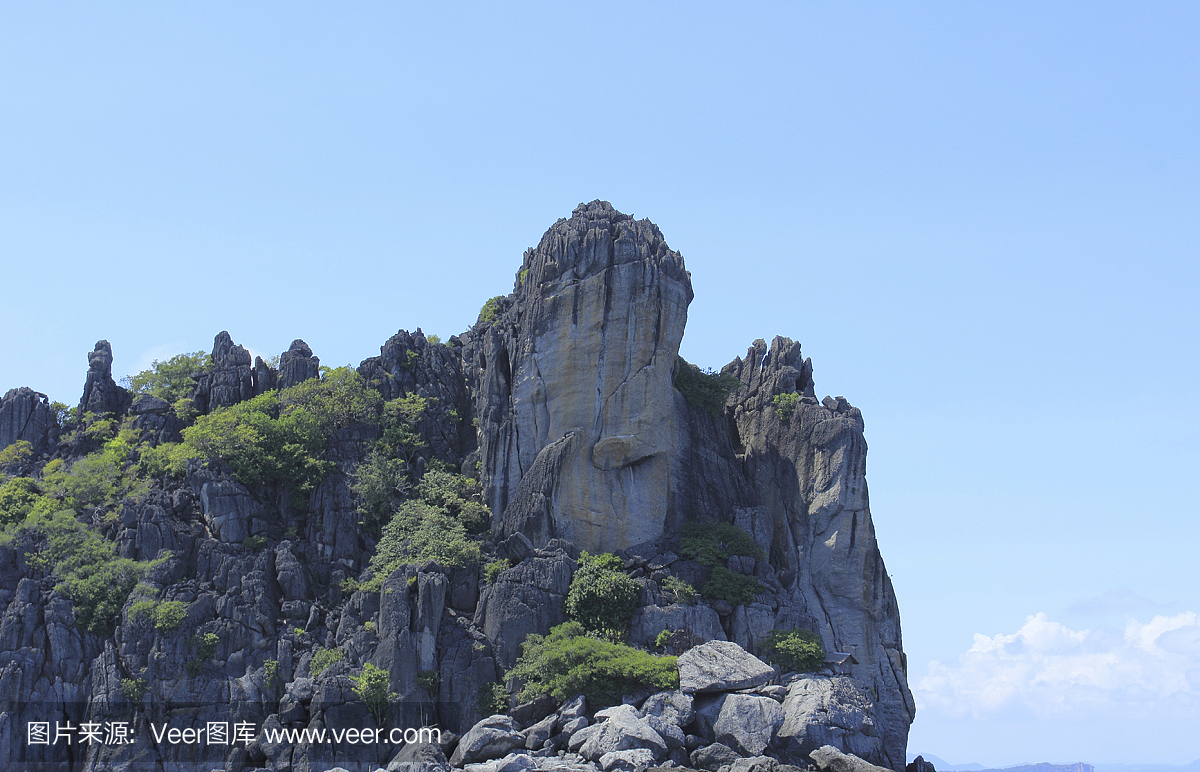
(491, 738)
(830, 759)
(26, 415)
(713, 757)
(700, 621)
(745, 722)
(297, 365)
(230, 381)
(586, 343)
(811, 468)
(674, 707)
(101, 394)
(721, 666)
(626, 761)
(830, 711)
(623, 729)
(527, 598)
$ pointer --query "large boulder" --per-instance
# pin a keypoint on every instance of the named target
(830, 711)
(829, 759)
(491, 738)
(674, 707)
(745, 722)
(721, 666)
(712, 757)
(621, 730)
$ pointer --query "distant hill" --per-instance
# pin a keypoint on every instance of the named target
(944, 766)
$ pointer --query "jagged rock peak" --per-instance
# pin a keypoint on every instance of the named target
(597, 237)
(230, 381)
(101, 394)
(297, 365)
(26, 414)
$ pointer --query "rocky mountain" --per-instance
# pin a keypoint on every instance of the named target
(288, 547)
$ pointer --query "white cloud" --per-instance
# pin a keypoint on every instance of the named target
(1046, 668)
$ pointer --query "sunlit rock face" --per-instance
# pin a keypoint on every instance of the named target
(576, 376)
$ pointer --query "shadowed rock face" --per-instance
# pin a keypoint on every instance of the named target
(586, 345)
(101, 394)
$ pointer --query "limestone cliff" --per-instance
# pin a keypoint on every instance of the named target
(562, 401)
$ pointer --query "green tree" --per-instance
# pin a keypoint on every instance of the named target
(371, 686)
(568, 661)
(17, 497)
(337, 400)
(487, 314)
(800, 650)
(601, 596)
(173, 379)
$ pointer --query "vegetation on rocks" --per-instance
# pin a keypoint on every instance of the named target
(793, 649)
(712, 545)
(785, 404)
(172, 380)
(568, 661)
(705, 389)
(602, 598)
(371, 686)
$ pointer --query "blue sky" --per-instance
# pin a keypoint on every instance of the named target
(979, 219)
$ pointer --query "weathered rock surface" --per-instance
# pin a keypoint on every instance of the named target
(623, 729)
(745, 722)
(836, 711)
(829, 759)
(699, 621)
(491, 738)
(297, 365)
(230, 381)
(721, 666)
(101, 394)
(586, 343)
(26, 415)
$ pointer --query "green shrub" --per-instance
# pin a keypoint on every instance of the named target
(705, 389)
(380, 483)
(17, 453)
(260, 442)
(601, 596)
(713, 544)
(205, 646)
(172, 380)
(493, 570)
(568, 662)
(254, 543)
(103, 478)
(134, 689)
(428, 680)
(323, 658)
(400, 437)
(799, 650)
(17, 497)
(340, 398)
(487, 314)
(785, 405)
(679, 591)
(493, 699)
(90, 574)
(457, 496)
(434, 339)
(734, 588)
(170, 614)
(371, 686)
(419, 532)
(270, 672)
